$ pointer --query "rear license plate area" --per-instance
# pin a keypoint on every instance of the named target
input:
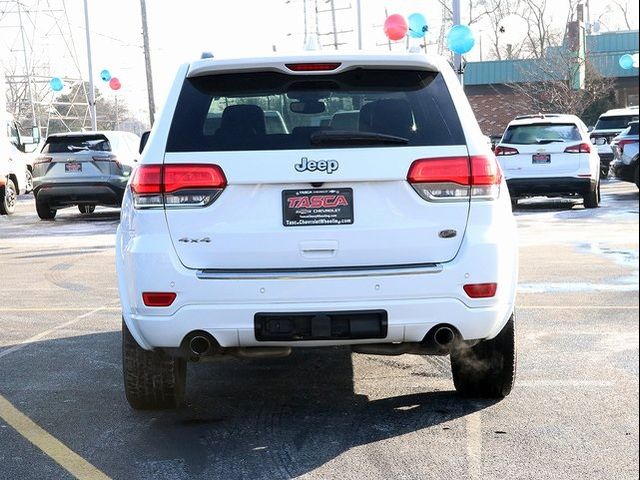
(317, 207)
(541, 158)
(72, 167)
(354, 325)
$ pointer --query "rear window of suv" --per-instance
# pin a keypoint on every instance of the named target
(541, 133)
(70, 144)
(276, 111)
(619, 122)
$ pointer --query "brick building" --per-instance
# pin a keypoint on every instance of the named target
(493, 87)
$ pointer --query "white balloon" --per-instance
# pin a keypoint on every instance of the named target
(512, 29)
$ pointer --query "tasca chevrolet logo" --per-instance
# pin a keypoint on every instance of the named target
(307, 165)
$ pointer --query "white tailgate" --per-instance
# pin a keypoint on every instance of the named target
(244, 227)
(561, 164)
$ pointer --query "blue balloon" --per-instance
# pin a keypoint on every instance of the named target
(418, 27)
(460, 39)
(56, 84)
(626, 61)
(105, 75)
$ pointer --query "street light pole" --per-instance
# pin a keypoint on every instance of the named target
(147, 62)
(92, 93)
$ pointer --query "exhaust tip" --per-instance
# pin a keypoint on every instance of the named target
(444, 336)
(200, 345)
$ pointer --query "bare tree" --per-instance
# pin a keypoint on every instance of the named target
(623, 7)
(548, 87)
(541, 34)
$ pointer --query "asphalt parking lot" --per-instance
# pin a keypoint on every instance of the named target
(325, 414)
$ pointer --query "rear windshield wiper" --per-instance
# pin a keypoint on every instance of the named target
(543, 141)
(338, 137)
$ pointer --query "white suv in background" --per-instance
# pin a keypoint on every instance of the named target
(609, 126)
(392, 236)
(550, 155)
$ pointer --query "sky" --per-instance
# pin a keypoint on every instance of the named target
(181, 30)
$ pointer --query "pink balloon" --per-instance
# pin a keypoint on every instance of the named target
(114, 83)
(395, 27)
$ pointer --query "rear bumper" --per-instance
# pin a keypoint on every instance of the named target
(522, 187)
(623, 171)
(67, 194)
(415, 300)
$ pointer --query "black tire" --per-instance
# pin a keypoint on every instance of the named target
(45, 212)
(9, 198)
(86, 209)
(152, 379)
(604, 171)
(636, 177)
(488, 369)
(592, 198)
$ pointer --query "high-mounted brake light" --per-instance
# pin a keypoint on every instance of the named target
(158, 299)
(505, 151)
(580, 148)
(456, 178)
(177, 185)
(312, 67)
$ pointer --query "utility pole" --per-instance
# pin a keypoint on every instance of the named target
(147, 62)
(457, 58)
(27, 69)
(333, 23)
(359, 22)
(92, 92)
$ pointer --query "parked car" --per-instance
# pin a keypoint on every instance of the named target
(382, 236)
(83, 169)
(16, 163)
(550, 155)
(625, 149)
(608, 126)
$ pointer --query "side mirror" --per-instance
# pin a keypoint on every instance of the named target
(590, 129)
(143, 141)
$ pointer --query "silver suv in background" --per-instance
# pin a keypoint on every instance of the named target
(609, 125)
(625, 150)
(84, 169)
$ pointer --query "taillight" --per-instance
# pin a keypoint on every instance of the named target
(505, 151)
(107, 158)
(580, 148)
(456, 178)
(622, 143)
(177, 185)
(481, 290)
(158, 299)
(312, 67)
(42, 160)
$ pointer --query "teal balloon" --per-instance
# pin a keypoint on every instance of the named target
(418, 27)
(460, 39)
(56, 84)
(626, 61)
(105, 75)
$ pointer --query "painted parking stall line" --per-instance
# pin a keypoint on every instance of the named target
(50, 446)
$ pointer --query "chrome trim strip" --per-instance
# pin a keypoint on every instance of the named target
(321, 272)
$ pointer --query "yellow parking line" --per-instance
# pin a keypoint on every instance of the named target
(50, 446)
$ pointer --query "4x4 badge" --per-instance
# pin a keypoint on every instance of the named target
(328, 166)
(195, 240)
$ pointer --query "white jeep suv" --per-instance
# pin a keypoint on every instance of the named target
(550, 155)
(392, 236)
